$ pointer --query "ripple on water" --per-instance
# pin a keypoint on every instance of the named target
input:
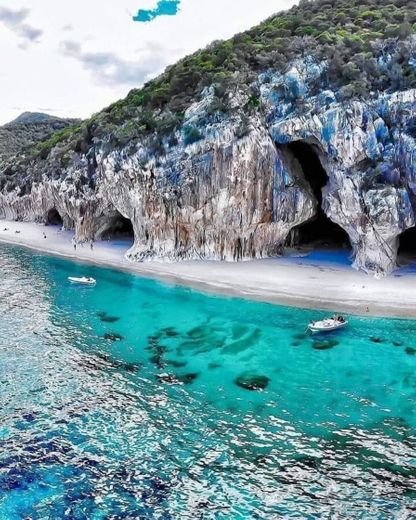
(179, 405)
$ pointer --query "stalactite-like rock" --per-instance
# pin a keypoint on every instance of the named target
(235, 195)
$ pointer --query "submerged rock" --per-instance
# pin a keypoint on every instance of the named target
(157, 358)
(133, 368)
(121, 365)
(158, 361)
(175, 379)
(213, 365)
(170, 332)
(187, 378)
(375, 339)
(410, 351)
(299, 336)
(252, 381)
(175, 364)
(168, 378)
(111, 336)
(198, 333)
(109, 319)
(106, 318)
(325, 345)
(247, 339)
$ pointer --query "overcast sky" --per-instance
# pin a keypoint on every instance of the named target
(74, 58)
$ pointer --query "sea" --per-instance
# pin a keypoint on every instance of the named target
(142, 400)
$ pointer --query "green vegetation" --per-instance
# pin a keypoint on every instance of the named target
(191, 134)
(354, 37)
(29, 129)
(44, 147)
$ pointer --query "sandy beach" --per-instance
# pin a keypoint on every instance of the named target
(287, 281)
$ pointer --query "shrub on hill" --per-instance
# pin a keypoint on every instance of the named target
(367, 45)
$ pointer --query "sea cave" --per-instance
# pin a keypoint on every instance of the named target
(53, 218)
(407, 246)
(118, 227)
(318, 232)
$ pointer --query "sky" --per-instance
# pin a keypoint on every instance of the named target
(72, 59)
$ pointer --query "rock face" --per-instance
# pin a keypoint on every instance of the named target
(237, 191)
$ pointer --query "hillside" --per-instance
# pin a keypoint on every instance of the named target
(365, 44)
(26, 130)
(308, 119)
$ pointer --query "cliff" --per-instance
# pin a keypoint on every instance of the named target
(236, 170)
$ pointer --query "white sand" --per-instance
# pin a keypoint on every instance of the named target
(336, 288)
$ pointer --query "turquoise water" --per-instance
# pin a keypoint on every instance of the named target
(130, 400)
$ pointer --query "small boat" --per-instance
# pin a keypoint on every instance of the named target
(328, 325)
(83, 281)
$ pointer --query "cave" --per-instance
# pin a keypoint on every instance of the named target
(53, 218)
(119, 227)
(320, 231)
(407, 245)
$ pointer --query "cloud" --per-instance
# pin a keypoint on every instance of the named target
(110, 69)
(46, 110)
(163, 8)
(15, 20)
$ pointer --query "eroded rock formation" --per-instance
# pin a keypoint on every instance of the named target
(237, 191)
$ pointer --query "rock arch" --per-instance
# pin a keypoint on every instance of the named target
(407, 246)
(319, 229)
(115, 226)
(53, 218)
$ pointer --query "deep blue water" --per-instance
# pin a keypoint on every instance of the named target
(122, 401)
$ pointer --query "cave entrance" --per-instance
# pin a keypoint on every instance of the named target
(119, 228)
(407, 246)
(319, 232)
(53, 218)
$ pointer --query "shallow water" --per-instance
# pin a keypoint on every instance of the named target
(121, 401)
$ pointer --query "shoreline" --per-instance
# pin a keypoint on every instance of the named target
(282, 281)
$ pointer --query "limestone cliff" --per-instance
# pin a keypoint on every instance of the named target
(227, 184)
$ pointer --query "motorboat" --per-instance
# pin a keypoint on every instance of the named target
(84, 280)
(328, 324)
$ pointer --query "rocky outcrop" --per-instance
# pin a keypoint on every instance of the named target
(368, 151)
(238, 189)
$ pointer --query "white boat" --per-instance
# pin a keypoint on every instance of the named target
(83, 280)
(328, 325)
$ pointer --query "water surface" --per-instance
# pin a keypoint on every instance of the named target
(135, 399)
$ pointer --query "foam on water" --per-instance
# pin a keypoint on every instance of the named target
(135, 399)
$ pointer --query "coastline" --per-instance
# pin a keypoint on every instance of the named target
(281, 281)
